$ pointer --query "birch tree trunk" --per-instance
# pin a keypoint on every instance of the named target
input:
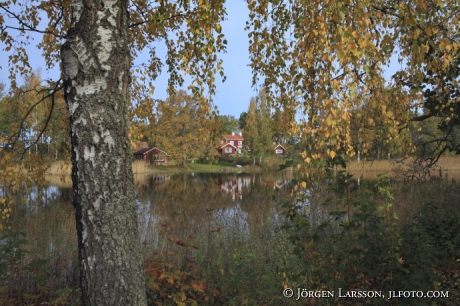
(96, 62)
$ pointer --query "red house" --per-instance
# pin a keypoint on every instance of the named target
(231, 144)
(151, 154)
(279, 150)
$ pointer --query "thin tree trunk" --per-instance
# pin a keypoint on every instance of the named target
(96, 62)
(184, 160)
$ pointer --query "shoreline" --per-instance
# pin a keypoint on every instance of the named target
(60, 168)
(444, 165)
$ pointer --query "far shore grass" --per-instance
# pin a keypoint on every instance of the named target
(140, 167)
(445, 163)
(59, 172)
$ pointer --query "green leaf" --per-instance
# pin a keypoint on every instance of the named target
(367, 68)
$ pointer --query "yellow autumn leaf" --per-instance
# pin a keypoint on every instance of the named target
(332, 154)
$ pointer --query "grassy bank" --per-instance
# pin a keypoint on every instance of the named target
(445, 163)
(65, 168)
(140, 167)
(58, 174)
(365, 169)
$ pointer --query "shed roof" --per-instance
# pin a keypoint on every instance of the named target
(143, 151)
(279, 146)
(226, 145)
(147, 150)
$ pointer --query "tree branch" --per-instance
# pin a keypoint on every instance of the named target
(25, 26)
(21, 126)
(158, 20)
(422, 117)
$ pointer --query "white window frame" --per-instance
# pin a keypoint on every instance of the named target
(228, 150)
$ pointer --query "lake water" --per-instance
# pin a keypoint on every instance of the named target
(221, 218)
(176, 205)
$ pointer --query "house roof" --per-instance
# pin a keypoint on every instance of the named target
(143, 151)
(147, 150)
(279, 146)
(227, 144)
(233, 137)
(161, 151)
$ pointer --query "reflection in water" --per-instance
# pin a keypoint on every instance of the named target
(224, 215)
(179, 205)
(232, 216)
(194, 203)
(234, 186)
(192, 208)
(46, 216)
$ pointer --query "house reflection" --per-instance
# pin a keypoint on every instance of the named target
(234, 186)
(149, 181)
(278, 184)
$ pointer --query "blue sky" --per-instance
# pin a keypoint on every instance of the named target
(233, 95)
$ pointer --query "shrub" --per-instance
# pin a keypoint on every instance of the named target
(238, 159)
(272, 163)
(361, 245)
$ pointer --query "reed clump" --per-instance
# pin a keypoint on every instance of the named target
(140, 166)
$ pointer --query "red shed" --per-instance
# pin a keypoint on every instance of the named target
(227, 149)
(154, 154)
(279, 150)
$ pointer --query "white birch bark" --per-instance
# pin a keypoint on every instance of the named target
(96, 63)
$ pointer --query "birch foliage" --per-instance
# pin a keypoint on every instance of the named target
(182, 129)
(327, 57)
(191, 31)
